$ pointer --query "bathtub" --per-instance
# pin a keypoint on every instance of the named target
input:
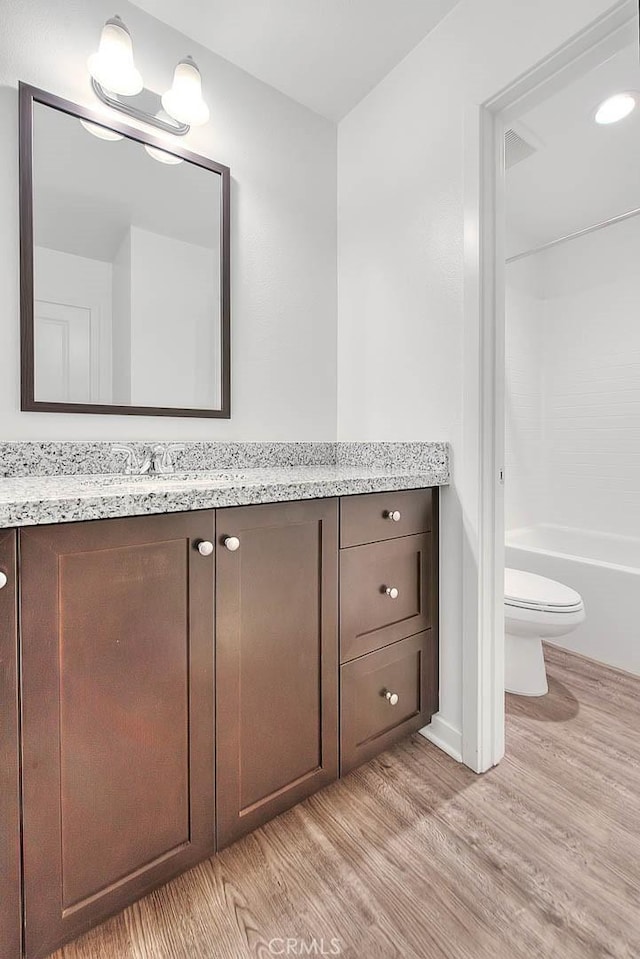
(606, 572)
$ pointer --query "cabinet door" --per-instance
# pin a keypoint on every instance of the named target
(276, 666)
(117, 702)
(10, 918)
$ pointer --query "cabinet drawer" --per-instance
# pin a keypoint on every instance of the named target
(370, 518)
(370, 576)
(372, 719)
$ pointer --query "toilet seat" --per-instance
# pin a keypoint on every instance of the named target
(523, 590)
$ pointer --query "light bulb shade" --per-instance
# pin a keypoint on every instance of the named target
(162, 156)
(184, 100)
(103, 133)
(112, 65)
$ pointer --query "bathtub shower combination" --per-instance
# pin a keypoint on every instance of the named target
(572, 418)
(605, 571)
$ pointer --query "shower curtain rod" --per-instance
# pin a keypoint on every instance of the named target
(573, 236)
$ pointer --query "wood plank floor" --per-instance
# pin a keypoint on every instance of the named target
(415, 856)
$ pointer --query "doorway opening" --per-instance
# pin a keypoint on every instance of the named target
(490, 243)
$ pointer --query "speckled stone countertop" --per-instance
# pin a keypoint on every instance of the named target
(30, 500)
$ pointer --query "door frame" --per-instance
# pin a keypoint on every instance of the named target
(482, 467)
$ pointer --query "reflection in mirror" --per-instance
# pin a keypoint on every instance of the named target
(127, 270)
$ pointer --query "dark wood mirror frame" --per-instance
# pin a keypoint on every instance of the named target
(28, 96)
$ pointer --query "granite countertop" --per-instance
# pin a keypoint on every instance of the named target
(32, 500)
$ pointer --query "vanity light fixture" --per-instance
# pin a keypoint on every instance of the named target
(118, 84)
(615, 108)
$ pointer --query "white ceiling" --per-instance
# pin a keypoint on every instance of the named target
(327, 54)
(582, 173)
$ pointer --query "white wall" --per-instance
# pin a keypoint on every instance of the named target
(121, 326)
(523, 400)
(573, 362)
(283, 165)
(401, 252)
(175, 338)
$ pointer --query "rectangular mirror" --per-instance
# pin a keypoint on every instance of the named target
(124, 268)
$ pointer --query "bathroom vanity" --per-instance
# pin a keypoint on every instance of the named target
(183, 656)
(187, 675)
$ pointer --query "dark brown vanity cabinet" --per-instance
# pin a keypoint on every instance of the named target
(155, 729)
(388, 620)
(10, 914)
(117, 714)
(277, 659)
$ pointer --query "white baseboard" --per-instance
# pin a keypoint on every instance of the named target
(445, 736)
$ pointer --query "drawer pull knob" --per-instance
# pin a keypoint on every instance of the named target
(232, 543)
(392, 592)
(204, 547)
(3, 580)
(393, 514)
(391, 698)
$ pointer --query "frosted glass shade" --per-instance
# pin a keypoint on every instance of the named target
(103, 133)
(184, 100)
(162, 156)
(112, 65)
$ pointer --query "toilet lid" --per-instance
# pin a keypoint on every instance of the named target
(533, 591)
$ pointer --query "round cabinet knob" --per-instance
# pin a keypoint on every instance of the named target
(391, 698)
(205, 548)
(394, 515)
(3, 580)
(232, 543)
(392, 592)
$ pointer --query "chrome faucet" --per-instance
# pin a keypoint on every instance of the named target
(157, 460)
(162, 461)
(132, 462)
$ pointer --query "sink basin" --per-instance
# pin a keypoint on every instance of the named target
(202, 478)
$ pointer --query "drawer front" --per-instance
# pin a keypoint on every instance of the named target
(371, 614)
(377, 516)
(372, 718)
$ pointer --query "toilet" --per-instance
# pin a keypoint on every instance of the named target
(535, 608)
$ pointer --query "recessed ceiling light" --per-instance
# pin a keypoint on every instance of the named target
(615, 108)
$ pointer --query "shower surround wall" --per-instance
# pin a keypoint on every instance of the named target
(573, 385)
(524, 488)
